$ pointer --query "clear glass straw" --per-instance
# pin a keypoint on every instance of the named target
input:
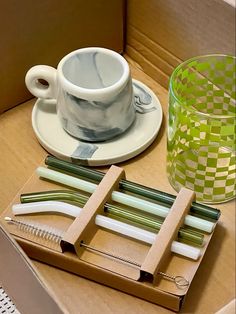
(122, 198)
(152, 194)
(114, 210)
(108, 223)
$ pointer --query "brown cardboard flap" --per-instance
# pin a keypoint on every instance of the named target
(70, 262)
(162, 33)
(83, 227)
(161, 248)
(20, 280)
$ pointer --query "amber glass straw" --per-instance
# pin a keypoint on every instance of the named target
(125, 185)
(116, 211)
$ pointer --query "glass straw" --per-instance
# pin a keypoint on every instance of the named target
(162, 197)
(122, 198)
(105, 222)
(117, 211)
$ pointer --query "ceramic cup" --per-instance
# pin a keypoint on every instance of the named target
(93, 91)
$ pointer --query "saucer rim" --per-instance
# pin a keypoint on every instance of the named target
(101, 161)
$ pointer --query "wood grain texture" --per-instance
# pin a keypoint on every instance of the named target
(214, 284)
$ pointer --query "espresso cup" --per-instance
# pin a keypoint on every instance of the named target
(93, 91)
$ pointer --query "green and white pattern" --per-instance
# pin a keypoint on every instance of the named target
(201, 128)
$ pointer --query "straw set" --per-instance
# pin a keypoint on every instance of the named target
(132, 215)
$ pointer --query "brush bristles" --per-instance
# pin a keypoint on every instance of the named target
(36, 229)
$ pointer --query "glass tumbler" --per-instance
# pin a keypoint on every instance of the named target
(201, 127)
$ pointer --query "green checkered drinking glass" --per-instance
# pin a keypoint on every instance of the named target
(201, 127)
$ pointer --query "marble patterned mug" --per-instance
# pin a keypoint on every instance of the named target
(93, 91)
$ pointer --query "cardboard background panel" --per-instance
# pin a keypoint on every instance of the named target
(153, 58)
(43, 32)
(177, 30)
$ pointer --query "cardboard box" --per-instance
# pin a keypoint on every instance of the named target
(43, 32)
(161, 34)
(214, 284)
(144, 281)
(21, 287)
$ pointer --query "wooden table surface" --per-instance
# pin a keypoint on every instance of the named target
(214, 284)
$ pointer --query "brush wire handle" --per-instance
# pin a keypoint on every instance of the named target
(180, 281)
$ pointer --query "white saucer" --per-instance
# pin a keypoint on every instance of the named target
(135, 140)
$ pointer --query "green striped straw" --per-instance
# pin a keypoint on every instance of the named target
(125, 185)
(185, 234)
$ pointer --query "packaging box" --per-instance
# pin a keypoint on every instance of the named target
(161, 34)
(143, 281)
(158, 35)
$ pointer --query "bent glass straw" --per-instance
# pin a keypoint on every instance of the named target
(114, 210)
(162, 197)
(122, 198)
(107, 223)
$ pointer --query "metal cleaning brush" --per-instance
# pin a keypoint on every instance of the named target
(55, 235)
(36, 229)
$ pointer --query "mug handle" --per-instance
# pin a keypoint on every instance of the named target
(46, 73)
